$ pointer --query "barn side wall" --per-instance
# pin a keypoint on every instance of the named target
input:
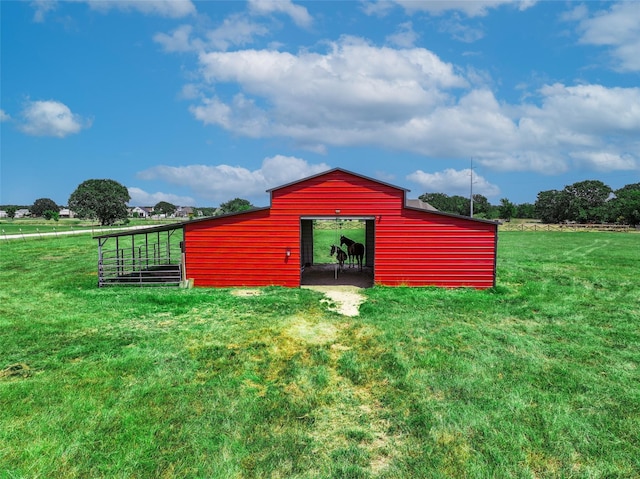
(424, 249)
(249, 249)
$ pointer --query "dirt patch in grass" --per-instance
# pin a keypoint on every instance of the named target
(244, 293)
(345, 300)
(16, 370)
(320, 333)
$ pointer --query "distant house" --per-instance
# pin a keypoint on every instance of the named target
(3, 214)
(183, 212)
(22, 213)
(142, 211)
(421, 205)
(66, 213)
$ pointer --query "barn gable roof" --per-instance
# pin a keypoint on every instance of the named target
(341, 170)
(416, 205)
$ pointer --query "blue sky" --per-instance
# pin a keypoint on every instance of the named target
(197, 103)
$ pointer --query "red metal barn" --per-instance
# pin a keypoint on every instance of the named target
(405, 245)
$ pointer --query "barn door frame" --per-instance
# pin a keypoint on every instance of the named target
(306, 236)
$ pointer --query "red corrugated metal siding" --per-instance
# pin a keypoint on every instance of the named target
(353, 196)
(411, 247)
(243, 250)
(426, 249)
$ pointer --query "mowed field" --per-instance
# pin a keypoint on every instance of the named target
(38, 226)
(538, 377)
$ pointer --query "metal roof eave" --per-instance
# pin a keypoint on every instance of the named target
(452, 215)
(140, 231)
(227, 215)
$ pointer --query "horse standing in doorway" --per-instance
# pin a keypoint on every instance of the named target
(341, 256)
(354, 249)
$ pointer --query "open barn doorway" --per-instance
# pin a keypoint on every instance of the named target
(319, 267)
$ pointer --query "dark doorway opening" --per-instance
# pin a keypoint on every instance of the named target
(318, 267)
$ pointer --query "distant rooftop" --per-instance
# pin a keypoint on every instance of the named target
(419, 204)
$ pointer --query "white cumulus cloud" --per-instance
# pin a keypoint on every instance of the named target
(224, 182)
(343, 97)
(42, 7)
(471, 8)
(235, 30)
(51, 118)
(4, 116)
(297, 13)
(405, 37)
(140, 197)
(179, 40)
(617, 28)
(607, 161)
(454, 182)
(358, 94)
(163, 8)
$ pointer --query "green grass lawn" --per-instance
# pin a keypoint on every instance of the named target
(538, 377)
(28, 226)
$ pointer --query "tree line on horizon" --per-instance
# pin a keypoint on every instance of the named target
(589, 201)
(106, 200)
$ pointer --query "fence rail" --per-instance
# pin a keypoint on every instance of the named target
(144, 259)
(566, 227)
(139, 270)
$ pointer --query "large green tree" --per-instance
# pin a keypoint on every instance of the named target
(507, 209)
(235, 205)
(208, 210)
(105, 200)
(11, 211)
(439, 201)
(41, 205)
(582, 202)
(551, 206)
(458, 205)
(481, 206)
(51, 215)
(625, 207)
(525, 210)
(587, 201)
(164, 208)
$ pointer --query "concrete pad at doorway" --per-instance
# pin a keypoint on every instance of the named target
(347, 299)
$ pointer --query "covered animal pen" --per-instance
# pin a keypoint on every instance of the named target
(152, 256)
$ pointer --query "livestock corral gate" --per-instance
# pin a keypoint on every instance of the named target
(406, 242)
(146, 257)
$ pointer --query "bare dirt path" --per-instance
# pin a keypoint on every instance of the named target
(347, 299)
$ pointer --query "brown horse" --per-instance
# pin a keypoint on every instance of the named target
(354, 249)
(341, 256)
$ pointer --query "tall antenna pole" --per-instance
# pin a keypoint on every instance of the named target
(471, 191)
